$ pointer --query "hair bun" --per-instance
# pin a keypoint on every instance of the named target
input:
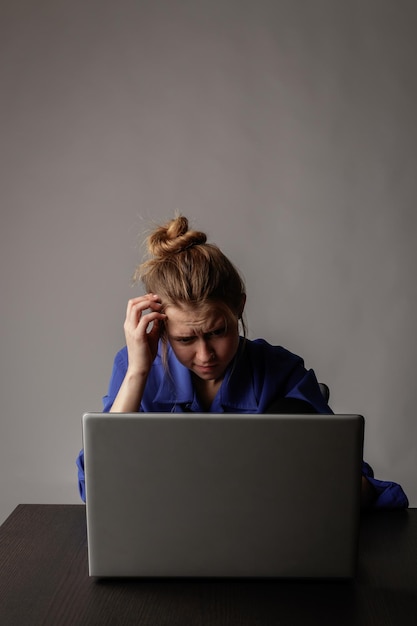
(174, 237)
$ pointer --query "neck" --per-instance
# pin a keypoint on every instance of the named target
(206, 391)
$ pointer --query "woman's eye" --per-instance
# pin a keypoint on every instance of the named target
(218, 332)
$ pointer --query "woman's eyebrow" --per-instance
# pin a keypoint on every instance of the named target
(185, 335)
(200, 332)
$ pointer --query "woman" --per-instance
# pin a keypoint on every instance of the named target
(184, 351)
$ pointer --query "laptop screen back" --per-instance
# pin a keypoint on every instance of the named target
(222, 495)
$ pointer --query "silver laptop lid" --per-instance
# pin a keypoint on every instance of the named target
(222, 495)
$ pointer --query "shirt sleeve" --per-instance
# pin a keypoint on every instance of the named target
(81, 477)
(389, 495)
(307, 388)
(116, 379)
(117, 376)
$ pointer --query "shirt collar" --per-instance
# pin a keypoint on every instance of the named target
(176, 385)
(237, 392)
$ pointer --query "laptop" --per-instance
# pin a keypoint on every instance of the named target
(205, 495)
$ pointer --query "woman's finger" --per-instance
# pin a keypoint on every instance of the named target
(137, 306)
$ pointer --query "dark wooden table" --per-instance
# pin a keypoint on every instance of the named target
(44, 580)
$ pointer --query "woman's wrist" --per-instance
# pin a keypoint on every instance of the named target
(130, 393)
(136, 374)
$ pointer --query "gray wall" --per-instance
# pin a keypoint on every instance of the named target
(286, 129)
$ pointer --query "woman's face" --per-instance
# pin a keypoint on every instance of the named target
(202, 342)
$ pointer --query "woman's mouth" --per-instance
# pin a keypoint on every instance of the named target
(206, 368)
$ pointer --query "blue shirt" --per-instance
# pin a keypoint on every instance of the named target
(258, 375)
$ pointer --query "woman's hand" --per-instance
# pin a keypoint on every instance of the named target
(142, 329)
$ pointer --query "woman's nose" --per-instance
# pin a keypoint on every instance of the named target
(204, 352)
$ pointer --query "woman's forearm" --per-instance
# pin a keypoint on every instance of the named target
(130, 393)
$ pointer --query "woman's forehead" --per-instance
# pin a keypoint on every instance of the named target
(193, 317)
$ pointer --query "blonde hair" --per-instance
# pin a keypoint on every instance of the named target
(185, 270)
